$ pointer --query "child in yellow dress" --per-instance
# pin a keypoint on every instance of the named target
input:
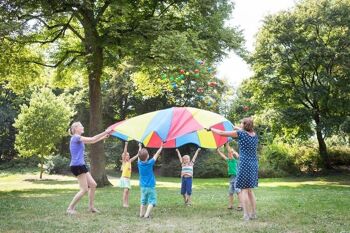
(124, 181)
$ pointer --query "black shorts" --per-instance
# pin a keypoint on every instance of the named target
(77, 170)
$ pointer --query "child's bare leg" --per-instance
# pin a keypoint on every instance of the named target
(148, 211)
(92, 188)
(83, 184)
(185, 198)
(230, 201)
(239, 201)
(142, 211)
(126, 198)
(189, 201)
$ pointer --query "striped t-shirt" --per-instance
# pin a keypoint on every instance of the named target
(187, 169)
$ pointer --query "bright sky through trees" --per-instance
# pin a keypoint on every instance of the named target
(248, 15)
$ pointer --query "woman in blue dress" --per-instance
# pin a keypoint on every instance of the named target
(247, 177)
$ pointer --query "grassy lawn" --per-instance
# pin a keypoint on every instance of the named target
(284, 205)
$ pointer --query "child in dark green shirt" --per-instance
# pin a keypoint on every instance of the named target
(231, 159)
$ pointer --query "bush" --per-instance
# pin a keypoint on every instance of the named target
(171, 169)
(278, 156)
(339, 155)
(307, 159)
(20, 163)
(209, 165)
(57, 164)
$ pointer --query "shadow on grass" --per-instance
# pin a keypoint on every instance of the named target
(51, 181)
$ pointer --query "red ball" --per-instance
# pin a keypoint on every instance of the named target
(182, 71)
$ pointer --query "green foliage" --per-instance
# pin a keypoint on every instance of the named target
(279, 158)
(210, 165)
(340, 155)
(306, 158)
(9, 109)
(41, 124)
(301, 68)
(16, 72)
(19, 164)
(172, 168)
(57, 164)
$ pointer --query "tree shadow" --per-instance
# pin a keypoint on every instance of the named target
(51, 181)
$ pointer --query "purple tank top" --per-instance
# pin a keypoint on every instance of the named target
(77, 148)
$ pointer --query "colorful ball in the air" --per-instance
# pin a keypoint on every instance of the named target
(196, 71)
(182, 71)
(182, 81)
(245, 108)
(187, 73)
(200, 90)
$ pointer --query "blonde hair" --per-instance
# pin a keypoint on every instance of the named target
(72, 128)
(248, 124)
(186, 156)
(124, 154)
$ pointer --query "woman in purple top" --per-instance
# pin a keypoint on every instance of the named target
(78, 167)
(247, 177)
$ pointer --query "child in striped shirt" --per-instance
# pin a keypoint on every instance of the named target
(186, 175)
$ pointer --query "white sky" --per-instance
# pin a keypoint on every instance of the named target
(248, 15)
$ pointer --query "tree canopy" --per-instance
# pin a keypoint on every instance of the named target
(301, 66)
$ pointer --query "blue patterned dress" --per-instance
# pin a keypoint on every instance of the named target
(248, 166)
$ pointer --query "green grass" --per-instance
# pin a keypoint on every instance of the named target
(284, 205)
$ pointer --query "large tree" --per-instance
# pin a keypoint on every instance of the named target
(301, 65)
(90, 34)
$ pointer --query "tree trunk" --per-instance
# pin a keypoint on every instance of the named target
(41, 166)
(94, 61)
(322, 147)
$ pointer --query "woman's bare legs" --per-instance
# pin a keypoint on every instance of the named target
(92, 189)
(246, 203)
(83, 184)
(252, 203)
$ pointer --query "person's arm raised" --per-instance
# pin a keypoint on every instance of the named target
(96, 138)
(195, 155)
(179, 155)
(137, 155)
(221, 154)
(225, 133)
(157, 154)
(125, 147)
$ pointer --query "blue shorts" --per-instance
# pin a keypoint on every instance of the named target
(148, 196)
(186, 185)
(232, 186)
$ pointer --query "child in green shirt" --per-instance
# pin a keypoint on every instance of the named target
(231, 159)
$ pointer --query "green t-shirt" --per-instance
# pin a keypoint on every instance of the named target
(232, 166)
